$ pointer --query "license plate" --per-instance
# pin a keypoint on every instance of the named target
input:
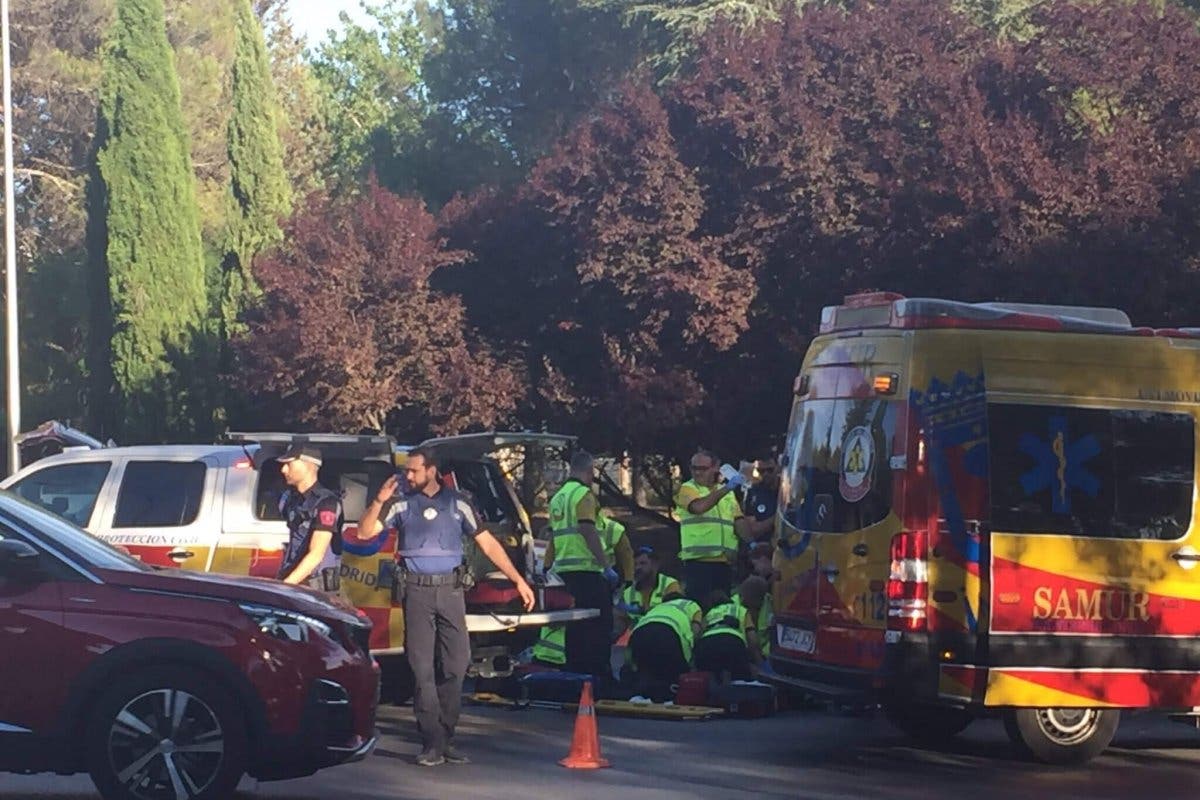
(796, 639)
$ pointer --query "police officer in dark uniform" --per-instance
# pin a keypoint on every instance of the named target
(314, 520)
(762, 499)
(431, 521)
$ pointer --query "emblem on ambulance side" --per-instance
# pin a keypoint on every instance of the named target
(858, 460)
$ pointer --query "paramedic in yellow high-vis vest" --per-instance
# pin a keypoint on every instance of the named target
(711, 525)
(578, 557)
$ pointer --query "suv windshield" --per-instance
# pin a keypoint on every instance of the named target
(66, 536)
(838, 477)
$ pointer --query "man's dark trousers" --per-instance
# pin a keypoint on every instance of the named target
(439, 651)
(588, 641)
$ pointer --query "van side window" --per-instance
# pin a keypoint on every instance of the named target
(159, 494)
(68, 490)
(1091, 472)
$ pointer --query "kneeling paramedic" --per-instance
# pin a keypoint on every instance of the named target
(729, 643)
(431, 521)
(314, 519)
(661, 646)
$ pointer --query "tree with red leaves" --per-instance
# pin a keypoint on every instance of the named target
(674, 251)
(621, 293)
(351, 336)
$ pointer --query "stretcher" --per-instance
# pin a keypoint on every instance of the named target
(622, 708)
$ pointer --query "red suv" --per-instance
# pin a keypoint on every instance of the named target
(169, 684)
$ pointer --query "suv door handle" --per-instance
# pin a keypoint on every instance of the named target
(860, 549)
(1183, 556)
(179, 556)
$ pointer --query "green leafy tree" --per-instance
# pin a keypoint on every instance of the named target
(259, 194)
(144, 237)
(371, 80)
(303, 119)
(512, 77)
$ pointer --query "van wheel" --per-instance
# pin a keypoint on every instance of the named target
(1062, 735)
(396, 680)
(166, 734)
(929, 724)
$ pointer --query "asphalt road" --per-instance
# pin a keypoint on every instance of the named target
(811, 754)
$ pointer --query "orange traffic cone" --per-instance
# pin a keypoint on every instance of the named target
(585, 745)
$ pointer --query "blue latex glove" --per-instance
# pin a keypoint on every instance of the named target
(612, 577)
(736, 482)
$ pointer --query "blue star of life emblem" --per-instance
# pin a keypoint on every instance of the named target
(1060, 464)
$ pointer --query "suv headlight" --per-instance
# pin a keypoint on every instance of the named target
(287, 625)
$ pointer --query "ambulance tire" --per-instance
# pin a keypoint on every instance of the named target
(1062, 735)
(204, 743)
(928, 723)
(396, 680)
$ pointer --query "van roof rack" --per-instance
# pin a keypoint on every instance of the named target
(890, 310)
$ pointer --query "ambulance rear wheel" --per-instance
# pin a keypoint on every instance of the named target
(929, 724)
(1062, 735)
(396, 680)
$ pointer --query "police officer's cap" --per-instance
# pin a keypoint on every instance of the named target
(300, 452)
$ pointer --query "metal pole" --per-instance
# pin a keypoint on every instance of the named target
(11, 343)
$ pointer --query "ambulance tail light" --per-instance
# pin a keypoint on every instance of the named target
(908, 582)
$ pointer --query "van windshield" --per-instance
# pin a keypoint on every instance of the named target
(838, 476)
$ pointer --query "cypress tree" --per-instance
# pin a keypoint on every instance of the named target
(144, 246)
(259, 195)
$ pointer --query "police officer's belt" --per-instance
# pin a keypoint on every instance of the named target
(431, 579)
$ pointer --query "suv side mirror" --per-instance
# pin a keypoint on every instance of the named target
(16, 555)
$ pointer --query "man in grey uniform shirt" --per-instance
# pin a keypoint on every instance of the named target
(431, 521)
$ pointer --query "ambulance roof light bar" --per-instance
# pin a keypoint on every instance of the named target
(890, 310)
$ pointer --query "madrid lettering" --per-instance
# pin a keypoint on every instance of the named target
(1093, 604)
(357, 575)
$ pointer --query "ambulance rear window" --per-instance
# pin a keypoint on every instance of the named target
(1113, 473)
(838, 476)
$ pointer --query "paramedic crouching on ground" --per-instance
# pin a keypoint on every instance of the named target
(431, 522)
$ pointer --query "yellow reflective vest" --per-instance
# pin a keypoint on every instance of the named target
(763, 624)
(727, 618)
(678, 616)
(708, 536)
(571, 553)
(551, 646)
(631, 598)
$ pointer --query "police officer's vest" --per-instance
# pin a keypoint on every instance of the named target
(727, 618)
(300, 512)
(571, 553)
(423, 536)
(709, 535)
(763, 623)
(551, 646)
(677, 615)
(632, 598)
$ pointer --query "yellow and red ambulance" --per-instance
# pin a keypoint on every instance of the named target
(987, 508)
